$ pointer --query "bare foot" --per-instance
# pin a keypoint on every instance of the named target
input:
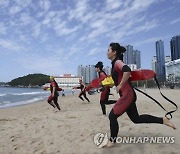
(110, 144)
(167, 122)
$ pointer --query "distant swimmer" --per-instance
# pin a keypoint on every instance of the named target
(53, 98)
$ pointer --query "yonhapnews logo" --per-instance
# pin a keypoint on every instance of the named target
(101, 139)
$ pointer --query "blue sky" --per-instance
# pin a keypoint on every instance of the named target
(55, 36)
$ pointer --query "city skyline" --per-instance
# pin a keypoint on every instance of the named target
(53, 38)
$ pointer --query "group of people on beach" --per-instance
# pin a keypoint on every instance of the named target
(120, 73)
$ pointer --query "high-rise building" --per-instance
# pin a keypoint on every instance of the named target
(128, 55)
(175, 47)
(88, 73)
(160, 61)
(87, 70)
(154, 64)
(107, 70)
(137, 58)
(82, 72)
(93, 73)
(132, 56)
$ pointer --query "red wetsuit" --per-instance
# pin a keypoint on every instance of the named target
(55, 98)
(83, 92)
(104, 94)
(106, 90)
(127, 101)
(127, 92)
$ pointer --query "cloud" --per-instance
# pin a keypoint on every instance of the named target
(3, 28)
(80, 9)
(14, 9)
(120, 23)
(61, 27)
(174, 21)
(18, 6)
(150, 40)
(23, 3)
(25, 19)
(36, 30)
(11, 46)
(146, 27)
(93, 51)
(4, 3)
(45, 4)
(39, 63)
(113, 4)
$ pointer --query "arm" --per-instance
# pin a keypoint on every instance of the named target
(125, 77)
(84, 87)
(53, 92)
(120, 66)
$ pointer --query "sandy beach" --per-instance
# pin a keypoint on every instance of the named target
(39, 129)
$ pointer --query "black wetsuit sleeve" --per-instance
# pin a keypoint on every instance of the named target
(126, 68)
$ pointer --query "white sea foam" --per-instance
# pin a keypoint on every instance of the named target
(29, 93)
(8, 104)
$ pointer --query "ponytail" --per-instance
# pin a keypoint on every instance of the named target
(119, 50)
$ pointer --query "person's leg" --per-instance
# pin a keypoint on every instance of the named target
(114, 126)
(110, 102)
(119, 108)
(103, 99)
(56, 102)
(103, 107)
(50, 101)
(144, 118)
(84, 94)
(80, 96)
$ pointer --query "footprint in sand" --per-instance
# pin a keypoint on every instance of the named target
(15, 147)
(12, 138)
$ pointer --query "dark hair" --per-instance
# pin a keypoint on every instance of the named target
(99, 65)
(119, 49)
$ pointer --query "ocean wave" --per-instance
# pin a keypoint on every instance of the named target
(8, 103)
(29, 93)
(5, 102)
(2, 95)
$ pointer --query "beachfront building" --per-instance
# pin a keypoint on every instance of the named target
(160, 69)
(173, 69)
(68, 80)
(167, 59)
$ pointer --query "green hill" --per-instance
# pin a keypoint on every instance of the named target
(31, 80)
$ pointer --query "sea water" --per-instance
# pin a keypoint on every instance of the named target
(18, 96)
